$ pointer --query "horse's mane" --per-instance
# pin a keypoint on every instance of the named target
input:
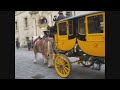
(46, 38)
(37, 37)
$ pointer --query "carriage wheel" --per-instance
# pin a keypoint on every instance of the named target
(86, 63)
(62, 65)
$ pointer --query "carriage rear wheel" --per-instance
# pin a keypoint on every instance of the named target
(62, 65)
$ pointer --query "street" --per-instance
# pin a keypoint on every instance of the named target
(26, 69)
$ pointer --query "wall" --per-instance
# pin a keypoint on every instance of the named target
(22, 31)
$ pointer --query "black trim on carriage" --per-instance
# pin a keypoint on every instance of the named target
(71, 37)
(75, 27)
(81, 37)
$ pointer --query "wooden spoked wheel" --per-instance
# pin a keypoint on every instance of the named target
(62, 65)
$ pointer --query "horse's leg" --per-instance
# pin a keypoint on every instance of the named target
(35, 55)
(45, 59)
(50, 61)
(49, 64)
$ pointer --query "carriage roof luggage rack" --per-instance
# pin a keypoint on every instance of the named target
(81, 15)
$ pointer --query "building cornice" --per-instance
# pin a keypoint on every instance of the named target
(19, 13)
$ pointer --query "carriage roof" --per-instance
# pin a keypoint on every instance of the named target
(80, 15)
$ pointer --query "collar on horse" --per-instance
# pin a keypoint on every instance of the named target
(36, 39)
(39, 38)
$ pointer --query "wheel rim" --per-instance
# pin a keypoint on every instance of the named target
(62, 66)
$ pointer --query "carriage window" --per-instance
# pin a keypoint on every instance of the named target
(70, 27)
(82, 25)
(95, 24)
(63, 29)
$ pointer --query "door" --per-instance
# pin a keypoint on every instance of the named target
(95, 34)
(92, 41)
(64, 43)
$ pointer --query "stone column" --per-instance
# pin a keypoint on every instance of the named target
(34, 26)
(50, 18)
(34, 15)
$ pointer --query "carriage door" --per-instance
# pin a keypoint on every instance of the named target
(95, 30)
(62, 31)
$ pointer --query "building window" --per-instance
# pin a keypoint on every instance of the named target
(26, 22)
(27, 38)
(16, 27)
(43, 21)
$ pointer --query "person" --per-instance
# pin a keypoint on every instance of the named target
(61, 16)
(56, 19)
(17, 44)
(68, 14)
(29, 44)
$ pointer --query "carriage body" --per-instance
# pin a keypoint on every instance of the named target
(88, 33)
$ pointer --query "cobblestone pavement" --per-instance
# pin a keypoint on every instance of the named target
(26, 69)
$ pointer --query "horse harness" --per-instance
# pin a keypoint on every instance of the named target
(43, 38)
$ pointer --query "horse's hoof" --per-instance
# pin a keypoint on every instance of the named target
(49, 66)
(34, 62)
(45, 63)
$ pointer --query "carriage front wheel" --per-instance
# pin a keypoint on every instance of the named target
(62, 65)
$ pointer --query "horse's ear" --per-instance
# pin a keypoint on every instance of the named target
(39, 37)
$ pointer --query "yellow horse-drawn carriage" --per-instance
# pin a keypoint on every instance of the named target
(80, 36)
